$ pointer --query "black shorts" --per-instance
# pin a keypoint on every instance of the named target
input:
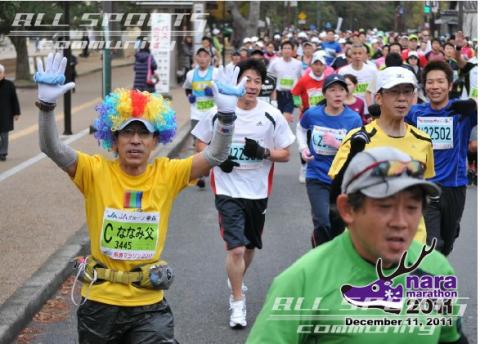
(102, 323)
(285, 101)
(241, 221)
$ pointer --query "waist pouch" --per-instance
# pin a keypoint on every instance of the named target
(157, 275)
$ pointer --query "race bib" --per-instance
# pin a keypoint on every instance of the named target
(361, 88)
(474, 92)
(246, 163)
(129, 235)
(319, 146)
(440, 130)
(204, 103)
(286, 83)
(315, 96)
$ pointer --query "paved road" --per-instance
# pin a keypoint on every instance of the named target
(199, 294)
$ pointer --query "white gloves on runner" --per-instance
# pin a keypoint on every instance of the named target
(50, 87)
(226, 91)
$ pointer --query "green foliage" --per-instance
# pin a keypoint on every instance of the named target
(9, 9)
(355, 14)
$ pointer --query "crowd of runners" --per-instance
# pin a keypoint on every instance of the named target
(384, 125)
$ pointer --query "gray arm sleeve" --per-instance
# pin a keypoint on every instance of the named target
(219, 147)
(50, 143)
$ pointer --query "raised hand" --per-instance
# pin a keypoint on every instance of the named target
(51, 79)
(226, 90)
(459, 39)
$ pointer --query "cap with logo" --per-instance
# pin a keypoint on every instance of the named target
(393, 76)
(334, 79)
(362, 175)
(413, 38)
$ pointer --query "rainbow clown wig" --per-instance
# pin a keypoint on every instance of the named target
(122, 105)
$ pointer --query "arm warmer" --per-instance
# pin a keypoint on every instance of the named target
(301, 137)
(219, 147)
(50, 144)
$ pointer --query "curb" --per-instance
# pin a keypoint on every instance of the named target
(87, 72)
(18, 310)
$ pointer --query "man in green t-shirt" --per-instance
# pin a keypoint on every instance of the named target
(373, 283)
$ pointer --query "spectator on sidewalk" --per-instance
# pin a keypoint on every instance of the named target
(85, 43)
(143, 59)
(9, 111)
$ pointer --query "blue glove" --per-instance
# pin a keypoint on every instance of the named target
(208, 91)
(230, 89)
(192, 98)
(49, 79)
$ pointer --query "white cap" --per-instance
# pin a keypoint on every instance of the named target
(315, 39)
(277, 36)
(246, 40)
(319, 56)
(146, 123)
(302, 35)
(216, 31)
(342, 41)
(393, 76)
(254, 39)
(259, 44)
(413, 53)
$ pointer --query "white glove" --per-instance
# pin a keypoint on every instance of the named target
(225, 84)
(54, 68)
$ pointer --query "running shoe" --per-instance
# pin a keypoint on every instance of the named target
(238, 313)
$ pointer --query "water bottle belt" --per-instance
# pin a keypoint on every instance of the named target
(95, 268)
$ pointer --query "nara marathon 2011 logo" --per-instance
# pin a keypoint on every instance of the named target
(419, 287)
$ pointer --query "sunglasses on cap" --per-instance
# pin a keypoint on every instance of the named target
(392, 168)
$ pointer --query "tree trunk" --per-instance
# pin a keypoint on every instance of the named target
(243, 27)
(253, 16)
(22, 69)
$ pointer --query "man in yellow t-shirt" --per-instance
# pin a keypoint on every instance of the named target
(394, 93)
(128, 201)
